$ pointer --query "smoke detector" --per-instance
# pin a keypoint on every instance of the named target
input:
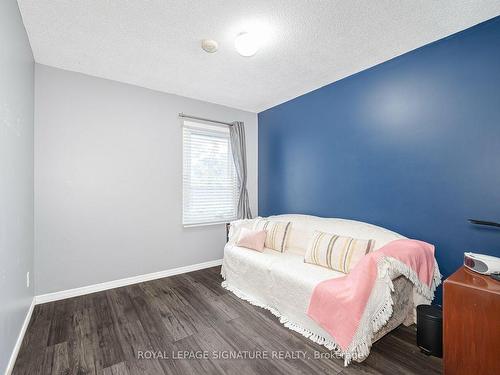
(209, 45)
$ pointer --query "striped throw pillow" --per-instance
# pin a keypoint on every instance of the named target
(276, 233)
(339, 253)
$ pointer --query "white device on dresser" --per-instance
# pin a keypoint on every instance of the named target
(480, 263)
(484, 264)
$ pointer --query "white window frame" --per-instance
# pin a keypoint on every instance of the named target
(189, 127)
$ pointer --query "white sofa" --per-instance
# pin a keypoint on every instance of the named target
(283, 283)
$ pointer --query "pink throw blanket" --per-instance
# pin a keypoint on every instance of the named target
(338, 305)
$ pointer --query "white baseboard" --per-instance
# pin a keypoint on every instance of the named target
(17, 346)
(49, 297)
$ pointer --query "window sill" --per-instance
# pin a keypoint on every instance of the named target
(207, 224)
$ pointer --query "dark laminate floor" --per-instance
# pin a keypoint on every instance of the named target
(104, 333)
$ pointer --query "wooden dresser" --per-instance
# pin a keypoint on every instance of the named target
(471, 324)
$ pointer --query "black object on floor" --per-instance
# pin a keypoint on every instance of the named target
(430, 330)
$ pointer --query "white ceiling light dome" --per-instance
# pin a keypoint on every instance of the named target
(247, 44)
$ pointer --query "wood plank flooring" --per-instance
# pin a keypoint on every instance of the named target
(116, 332)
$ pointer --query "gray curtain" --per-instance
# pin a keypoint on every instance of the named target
(238, 146)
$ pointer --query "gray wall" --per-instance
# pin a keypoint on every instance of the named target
(16, 176)
(108, 181)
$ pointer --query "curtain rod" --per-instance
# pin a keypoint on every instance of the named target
(204, 119)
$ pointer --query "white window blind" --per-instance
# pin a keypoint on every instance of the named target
(210, 186)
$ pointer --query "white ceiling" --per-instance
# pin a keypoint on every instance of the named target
(306, 43)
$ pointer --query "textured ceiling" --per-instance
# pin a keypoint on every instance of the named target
(306, 43)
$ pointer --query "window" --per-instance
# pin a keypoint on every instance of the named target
(210, 186)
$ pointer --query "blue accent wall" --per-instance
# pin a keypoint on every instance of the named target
(412, 145)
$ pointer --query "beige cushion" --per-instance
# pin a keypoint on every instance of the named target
(276, 233)
(303, 227)
(340, 253)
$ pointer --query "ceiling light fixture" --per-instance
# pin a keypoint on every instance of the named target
(209, 45)
(246, 44)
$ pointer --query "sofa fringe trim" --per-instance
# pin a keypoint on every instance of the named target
(331, 345)
(359, 348)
